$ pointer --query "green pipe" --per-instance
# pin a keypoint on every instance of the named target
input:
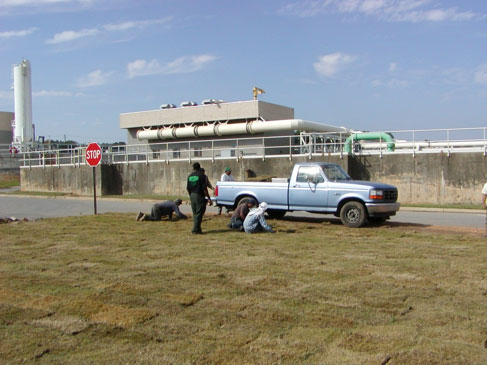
(370, 136)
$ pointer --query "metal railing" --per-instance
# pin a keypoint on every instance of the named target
(305, 144)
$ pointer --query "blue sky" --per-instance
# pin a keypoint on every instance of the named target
(364, 64)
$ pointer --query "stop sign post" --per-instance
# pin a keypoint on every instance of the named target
(93, 158)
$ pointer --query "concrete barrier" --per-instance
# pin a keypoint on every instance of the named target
(9, 162)
(423, 178)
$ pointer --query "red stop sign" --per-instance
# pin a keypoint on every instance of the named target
(93, 154)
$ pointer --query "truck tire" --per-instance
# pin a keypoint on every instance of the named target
(353, 214)
(243, 200)
(276, 213)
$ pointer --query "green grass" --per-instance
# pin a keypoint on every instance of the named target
(107, 289)
(9, 180)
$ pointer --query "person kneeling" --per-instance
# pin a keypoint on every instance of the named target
(255, 221)
(159, 210)
(239, 215)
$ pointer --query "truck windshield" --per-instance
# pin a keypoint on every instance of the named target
(335, 172)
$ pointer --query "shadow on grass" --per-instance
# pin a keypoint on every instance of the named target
(218, 231)
(337, 221)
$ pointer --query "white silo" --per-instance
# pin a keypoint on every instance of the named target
(23, 128)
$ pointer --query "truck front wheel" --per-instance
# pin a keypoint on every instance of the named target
(353, 214)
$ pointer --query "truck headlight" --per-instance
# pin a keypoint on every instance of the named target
(376, 194)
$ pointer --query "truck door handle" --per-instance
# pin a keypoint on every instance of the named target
(337, 193)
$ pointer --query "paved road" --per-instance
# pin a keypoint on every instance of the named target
(44, 207)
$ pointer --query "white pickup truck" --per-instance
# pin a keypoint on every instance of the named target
(318, 188)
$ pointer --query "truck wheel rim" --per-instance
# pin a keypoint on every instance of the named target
(353, 215)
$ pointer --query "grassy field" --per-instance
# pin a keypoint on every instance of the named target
(107, 289)
(9, 180)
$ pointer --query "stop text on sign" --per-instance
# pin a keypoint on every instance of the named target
(93, 154)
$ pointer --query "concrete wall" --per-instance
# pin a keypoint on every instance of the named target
(64, 179)
(170, 179)
(425, 178)
(9, 162)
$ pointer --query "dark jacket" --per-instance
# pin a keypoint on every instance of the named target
(196, 183)
(168, 208)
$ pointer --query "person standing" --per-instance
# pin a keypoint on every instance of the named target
(484, 196)
(226, 176)
(484, 205)
(159, 210)
(197, 188)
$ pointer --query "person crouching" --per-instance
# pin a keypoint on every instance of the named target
(255, 221)
(239, 215)
(159, 210)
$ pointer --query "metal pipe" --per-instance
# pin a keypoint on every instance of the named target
(253, 127)
(369, 136)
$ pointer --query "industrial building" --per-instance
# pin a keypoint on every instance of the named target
(217, 124)
(6, 128)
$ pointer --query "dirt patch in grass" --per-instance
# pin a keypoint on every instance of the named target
(70, 325)
(107, 289)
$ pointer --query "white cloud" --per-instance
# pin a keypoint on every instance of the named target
(52, 93)
(392, 67)
(392, 83)
(135, 24)
(455, 76)
(434, 15)
(396, 83)
(330, 64)
(95, 78)
(71, 35)
(180, 65)
(143, 68)
(42, 3)
(306, 8)
(14, 3)
(387, 10)
(377, 83)
(17, 33)
(481, 75)
(23, 7)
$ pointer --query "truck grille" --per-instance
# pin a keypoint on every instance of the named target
(390, 195)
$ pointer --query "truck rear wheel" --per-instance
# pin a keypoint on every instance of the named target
(353, 214)
(243, 200)
(276, 213)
